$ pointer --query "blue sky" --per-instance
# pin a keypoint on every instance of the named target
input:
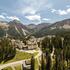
(34, 11)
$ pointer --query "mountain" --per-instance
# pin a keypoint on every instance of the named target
(3, 24)
(31, 26)
(16, 28)
(3, 27)
(13, 29)
(38, 27)
(41, 25)
(61, 24)
(58, 28)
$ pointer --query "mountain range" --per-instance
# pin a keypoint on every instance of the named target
(17, 29)
(57, 28)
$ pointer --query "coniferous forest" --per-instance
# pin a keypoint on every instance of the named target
(56, 51)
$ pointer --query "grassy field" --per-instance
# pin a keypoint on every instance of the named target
(36, 64)
(7, 68)
(17, 67)
(20, 56)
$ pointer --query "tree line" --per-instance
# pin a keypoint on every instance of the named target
(60, 60)
(7, 50)
(61, 55)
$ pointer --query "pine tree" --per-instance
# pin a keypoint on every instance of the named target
(7, 49)
(32, 63)
(48, 63)
(42, 62)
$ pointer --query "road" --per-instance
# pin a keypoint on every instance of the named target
(20, 62)
(11, 64)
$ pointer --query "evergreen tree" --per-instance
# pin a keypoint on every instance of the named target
(48, 63)
(8, 51)
(42, 62)
(32, 63)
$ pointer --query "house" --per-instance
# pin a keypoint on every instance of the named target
(32, 43)
(27, 65)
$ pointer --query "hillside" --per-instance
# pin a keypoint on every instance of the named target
(13, 29)
(16, 29)
(35, 28)
(58, 28)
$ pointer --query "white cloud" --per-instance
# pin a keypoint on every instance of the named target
(33, 17)
(12, 18)
(68, 10)
(2, 17)
(29, 10)
(61, 12)
(53, 10)
(45, 19)
(33, 6)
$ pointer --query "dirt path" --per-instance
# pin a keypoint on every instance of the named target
(19, 62)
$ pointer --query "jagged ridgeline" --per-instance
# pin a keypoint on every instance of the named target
(16, 29)
(59, 28)
(13, 29)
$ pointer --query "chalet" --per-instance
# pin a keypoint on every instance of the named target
(31, 44)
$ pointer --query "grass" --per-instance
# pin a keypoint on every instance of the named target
(35, 53)
(20, 56)
(7, 68)
(36, 64)
(18, 67)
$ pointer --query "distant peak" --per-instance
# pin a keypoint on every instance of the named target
(31, 24)
(17, 21)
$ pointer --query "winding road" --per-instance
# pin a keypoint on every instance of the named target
(21, 61)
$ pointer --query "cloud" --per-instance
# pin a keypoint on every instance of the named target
(33, 17)
(12, 18)
(68, 10)
(5, 17)
(53, 10)
(2, 17)
(33, 6)
(29, 10)
(61, 12)
(46, 19)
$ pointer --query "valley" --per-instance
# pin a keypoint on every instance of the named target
(39, 43)
(34, 34)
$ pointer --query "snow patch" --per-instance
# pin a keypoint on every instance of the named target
(24, 31)
(66, 26)
(17, 30)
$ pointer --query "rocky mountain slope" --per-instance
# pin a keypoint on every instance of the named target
(35, 28)
(16, 29)
(13, 29)
(60, 27)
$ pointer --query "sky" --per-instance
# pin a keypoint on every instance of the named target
(34, 11)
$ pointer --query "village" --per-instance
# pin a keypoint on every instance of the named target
(31, 47)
